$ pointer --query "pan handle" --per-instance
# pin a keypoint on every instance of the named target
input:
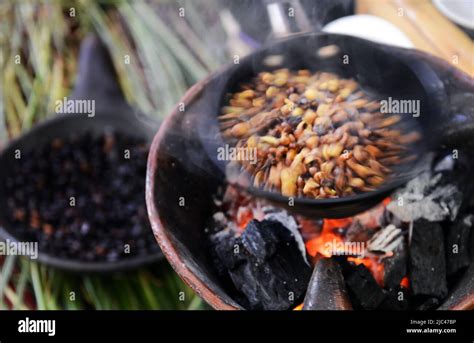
(96, 78)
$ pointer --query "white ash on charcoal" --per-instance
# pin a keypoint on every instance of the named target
(265, 265)
(427, 263)
(457, 245)
(445, 164)
(427, 196)
(385, 241)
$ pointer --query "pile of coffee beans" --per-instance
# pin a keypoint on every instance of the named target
(83, 198)
(314, 135)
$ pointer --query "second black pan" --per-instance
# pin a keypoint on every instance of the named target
(97, 81)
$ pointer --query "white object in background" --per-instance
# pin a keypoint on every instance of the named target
(459, 11)
(232, 28)
(369, 27)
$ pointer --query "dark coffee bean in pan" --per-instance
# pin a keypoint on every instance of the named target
(83, 198)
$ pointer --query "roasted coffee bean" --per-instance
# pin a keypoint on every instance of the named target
(81, 198)
(337, 122)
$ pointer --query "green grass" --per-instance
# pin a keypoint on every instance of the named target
(167, 53)
(34, 286)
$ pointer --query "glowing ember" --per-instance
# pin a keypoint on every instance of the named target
(405, 282)
(244, 216)
(298, 308)
(326, 242)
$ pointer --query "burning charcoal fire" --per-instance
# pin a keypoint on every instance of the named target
(427, 260)
(265, 265)
(457, 245)
(326, 290)
(383, 263)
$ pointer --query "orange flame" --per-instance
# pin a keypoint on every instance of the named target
(323, 243)
(244, 216)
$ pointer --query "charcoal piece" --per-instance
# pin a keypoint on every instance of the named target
(224, 242)
(427, 260)
(397, 299)
(326, 290)
(259, 240)
(289, 222)
(427, 304)
(395, 267)
(364, 291)
(457, 245)
(265, 265)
